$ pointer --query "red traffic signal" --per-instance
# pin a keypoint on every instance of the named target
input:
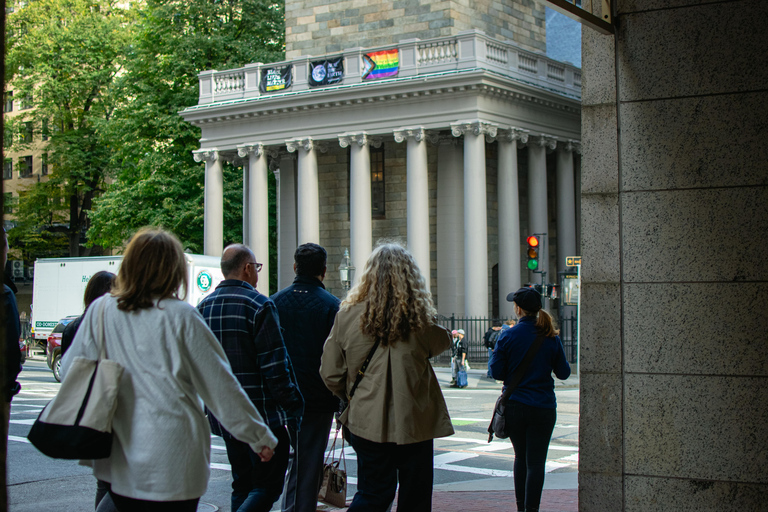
(533, 241)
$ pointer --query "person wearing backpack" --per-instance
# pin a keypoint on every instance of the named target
(489, 341)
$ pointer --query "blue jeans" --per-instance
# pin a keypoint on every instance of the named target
(305, 464)
(490, 353)
(257, 485)
(530, 430)
(380, 466)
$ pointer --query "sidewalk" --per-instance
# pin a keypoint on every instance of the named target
(560, 490)
(554, 500)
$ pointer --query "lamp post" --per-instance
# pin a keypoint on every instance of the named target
(346, 272)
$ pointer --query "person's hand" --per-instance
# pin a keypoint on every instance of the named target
(266, 453)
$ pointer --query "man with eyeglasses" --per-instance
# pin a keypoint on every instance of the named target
(247, 325)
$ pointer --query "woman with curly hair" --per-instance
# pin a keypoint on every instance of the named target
(397, 409)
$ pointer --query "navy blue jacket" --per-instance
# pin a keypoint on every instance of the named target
(12, 350)
(537, 388)
(307, 312)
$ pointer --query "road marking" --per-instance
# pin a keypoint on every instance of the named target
(23, 422)
(19, 439)
(450, 457)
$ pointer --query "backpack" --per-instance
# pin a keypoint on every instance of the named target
(490, 341)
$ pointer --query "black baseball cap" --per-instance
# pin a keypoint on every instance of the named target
(527, 298)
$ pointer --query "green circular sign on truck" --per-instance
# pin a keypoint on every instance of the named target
(204, 281)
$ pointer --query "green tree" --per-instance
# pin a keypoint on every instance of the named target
(156, 180)
(63, 57)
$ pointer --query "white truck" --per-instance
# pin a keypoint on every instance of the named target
(59, 284)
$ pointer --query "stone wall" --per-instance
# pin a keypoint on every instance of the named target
(674, 376)
(319, 27)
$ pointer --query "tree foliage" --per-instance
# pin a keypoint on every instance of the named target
(156, 180)
(63, 57)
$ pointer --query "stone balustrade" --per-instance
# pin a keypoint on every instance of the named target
(470, 50)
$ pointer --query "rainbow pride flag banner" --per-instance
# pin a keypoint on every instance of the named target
(381, 64)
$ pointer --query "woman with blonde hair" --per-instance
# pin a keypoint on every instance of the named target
(531, 410)
(161, 446)
(396, 407)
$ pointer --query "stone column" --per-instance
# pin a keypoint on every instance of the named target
(360, 222)
(308, 197)
(475, 215)
(286, 220)
(246, 203)
(509, 217)
(417, 196)
(566, 203)
(538, 218)
(258, 212)
(450, 227)
(213, 216)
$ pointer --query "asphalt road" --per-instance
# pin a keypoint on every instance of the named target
(465, 461)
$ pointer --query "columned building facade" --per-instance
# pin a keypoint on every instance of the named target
(469, 145)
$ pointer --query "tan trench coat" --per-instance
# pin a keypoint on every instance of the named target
(399, 400)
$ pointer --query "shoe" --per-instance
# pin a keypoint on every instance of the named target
(453, 386)
(453, 381)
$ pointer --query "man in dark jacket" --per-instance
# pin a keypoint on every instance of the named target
(307, 312)
(10, 319)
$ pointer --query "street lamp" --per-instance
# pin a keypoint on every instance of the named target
(346, 272)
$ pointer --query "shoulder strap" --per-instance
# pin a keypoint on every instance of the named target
(361, 372)
(523, 366)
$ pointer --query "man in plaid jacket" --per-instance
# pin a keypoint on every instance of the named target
(248, 327)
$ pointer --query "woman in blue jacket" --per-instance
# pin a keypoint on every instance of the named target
(531, 411)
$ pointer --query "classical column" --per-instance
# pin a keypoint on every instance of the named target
(308, 197)
(566, 202)
(246, 203)
(360, 222)
(450, 227)
(213, 217)
(417, 196)
(258, 211)
(538, 220)
(509, 217)
(286, 220)
(475, 215)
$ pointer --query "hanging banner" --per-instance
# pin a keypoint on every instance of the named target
(275, 79)
(381, 64)
(326, 72)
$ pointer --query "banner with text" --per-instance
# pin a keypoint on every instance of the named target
(326, 72)
(275, 79)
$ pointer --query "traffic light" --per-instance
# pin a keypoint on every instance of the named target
(533, 252)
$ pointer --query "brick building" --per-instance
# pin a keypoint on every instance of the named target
(403, 120)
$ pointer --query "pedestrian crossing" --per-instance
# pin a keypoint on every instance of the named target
(466, 452)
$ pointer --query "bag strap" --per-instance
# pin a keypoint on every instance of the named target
(101, 340)
(361, 372)
(342, 457)
(523, 366)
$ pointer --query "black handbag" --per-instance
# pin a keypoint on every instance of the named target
(498, 421)
(77, 423)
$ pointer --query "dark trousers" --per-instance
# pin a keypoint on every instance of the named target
(380, 466)
(125, 504)
(530, 430)
(257, 485)
(305, 464)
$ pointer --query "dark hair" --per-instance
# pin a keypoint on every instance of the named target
(154, 267)
(100, 283)
(234, 257)
(310, 260)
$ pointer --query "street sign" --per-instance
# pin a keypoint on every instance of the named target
(572, 261)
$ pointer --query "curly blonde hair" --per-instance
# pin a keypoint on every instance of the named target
(395, 294)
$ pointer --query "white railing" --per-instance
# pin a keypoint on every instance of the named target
(437, 52)
(466, 50)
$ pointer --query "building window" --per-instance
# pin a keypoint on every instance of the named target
(44, 131)
(7, 169)
(7, 202)
(8, 105)
(25, 167)
(44, 165)
(378, 199)
(26, 102)
(28, 132)
(7, 137)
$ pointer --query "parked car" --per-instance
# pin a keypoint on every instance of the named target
(53, 352)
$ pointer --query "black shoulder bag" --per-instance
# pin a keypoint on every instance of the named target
(498, 422)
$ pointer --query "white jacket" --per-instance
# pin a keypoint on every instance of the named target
(162, 441)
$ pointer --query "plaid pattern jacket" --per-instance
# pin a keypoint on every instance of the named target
(248, 327)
